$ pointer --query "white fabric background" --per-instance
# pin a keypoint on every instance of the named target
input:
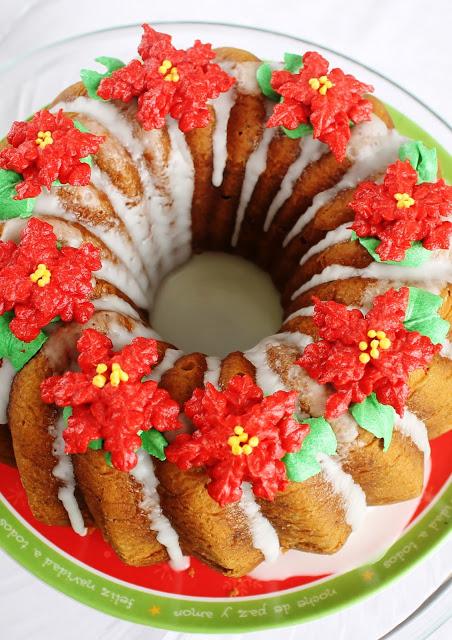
(409, 42)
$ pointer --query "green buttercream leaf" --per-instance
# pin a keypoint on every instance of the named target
(96, 444)
(92, 79)
(154, 443)
(263, 77)
(321, 439)
(81, 127)
(107, 456)
(88, 160)
(422, 315)
(301, 131)
(375, 417)
(67, 412)
(293, 62)
(13, 349)
(422, 159)
(10, 208)
(415, 256)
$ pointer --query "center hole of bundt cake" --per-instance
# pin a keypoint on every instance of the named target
(216, 303)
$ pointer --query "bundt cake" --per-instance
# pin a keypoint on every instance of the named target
(291, 165)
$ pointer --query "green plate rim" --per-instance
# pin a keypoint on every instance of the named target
(229, 615)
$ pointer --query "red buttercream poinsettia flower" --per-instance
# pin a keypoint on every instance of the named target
(360, 354)
(168, 81)
(328, 100)
(39, 282)
(240, 436)
(400, 211)
(109, 400)
(47, 148)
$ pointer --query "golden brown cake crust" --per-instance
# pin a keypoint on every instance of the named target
(219, 536)
(385, 476)
(308, 516)
(6, 446)
(114, 498)
(30, 423)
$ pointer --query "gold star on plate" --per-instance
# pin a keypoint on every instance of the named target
(154, 611)
(368, 575)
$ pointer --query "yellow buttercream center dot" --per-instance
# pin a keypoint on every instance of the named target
(169, 72)
(41, 276)
(241, 443)
(404, 200)
(378, 341)
(43, 139)
(117, 375)
(321, 84)
(100, 380)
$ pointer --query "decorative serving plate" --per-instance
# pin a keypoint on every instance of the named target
(300, 586)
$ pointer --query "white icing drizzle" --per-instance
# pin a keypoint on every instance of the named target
(366, 138)
(170, 357)
(245, 74)
(313, 393)
(256, 165)
(212, 373)
(310, 151)
(116, 274)
(446, 350)
(107, 114)
(164, 195)
(7, 373)
(133, 216)
(340, 234)
(267, 379)
(433, 274)
(64, 472)
(262, 532)
(222, 107)
(112, 119)
(144, 474)
(410, 425)
(371, 159)
(345, 428)
(298, 339)
(353, 497)
(12, 229)
(115, 303)
(181, 176)
(120, 335)
(304, 311)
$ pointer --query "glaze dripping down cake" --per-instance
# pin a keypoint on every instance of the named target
(291, 165)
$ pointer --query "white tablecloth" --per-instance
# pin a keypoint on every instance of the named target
(409, 42)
